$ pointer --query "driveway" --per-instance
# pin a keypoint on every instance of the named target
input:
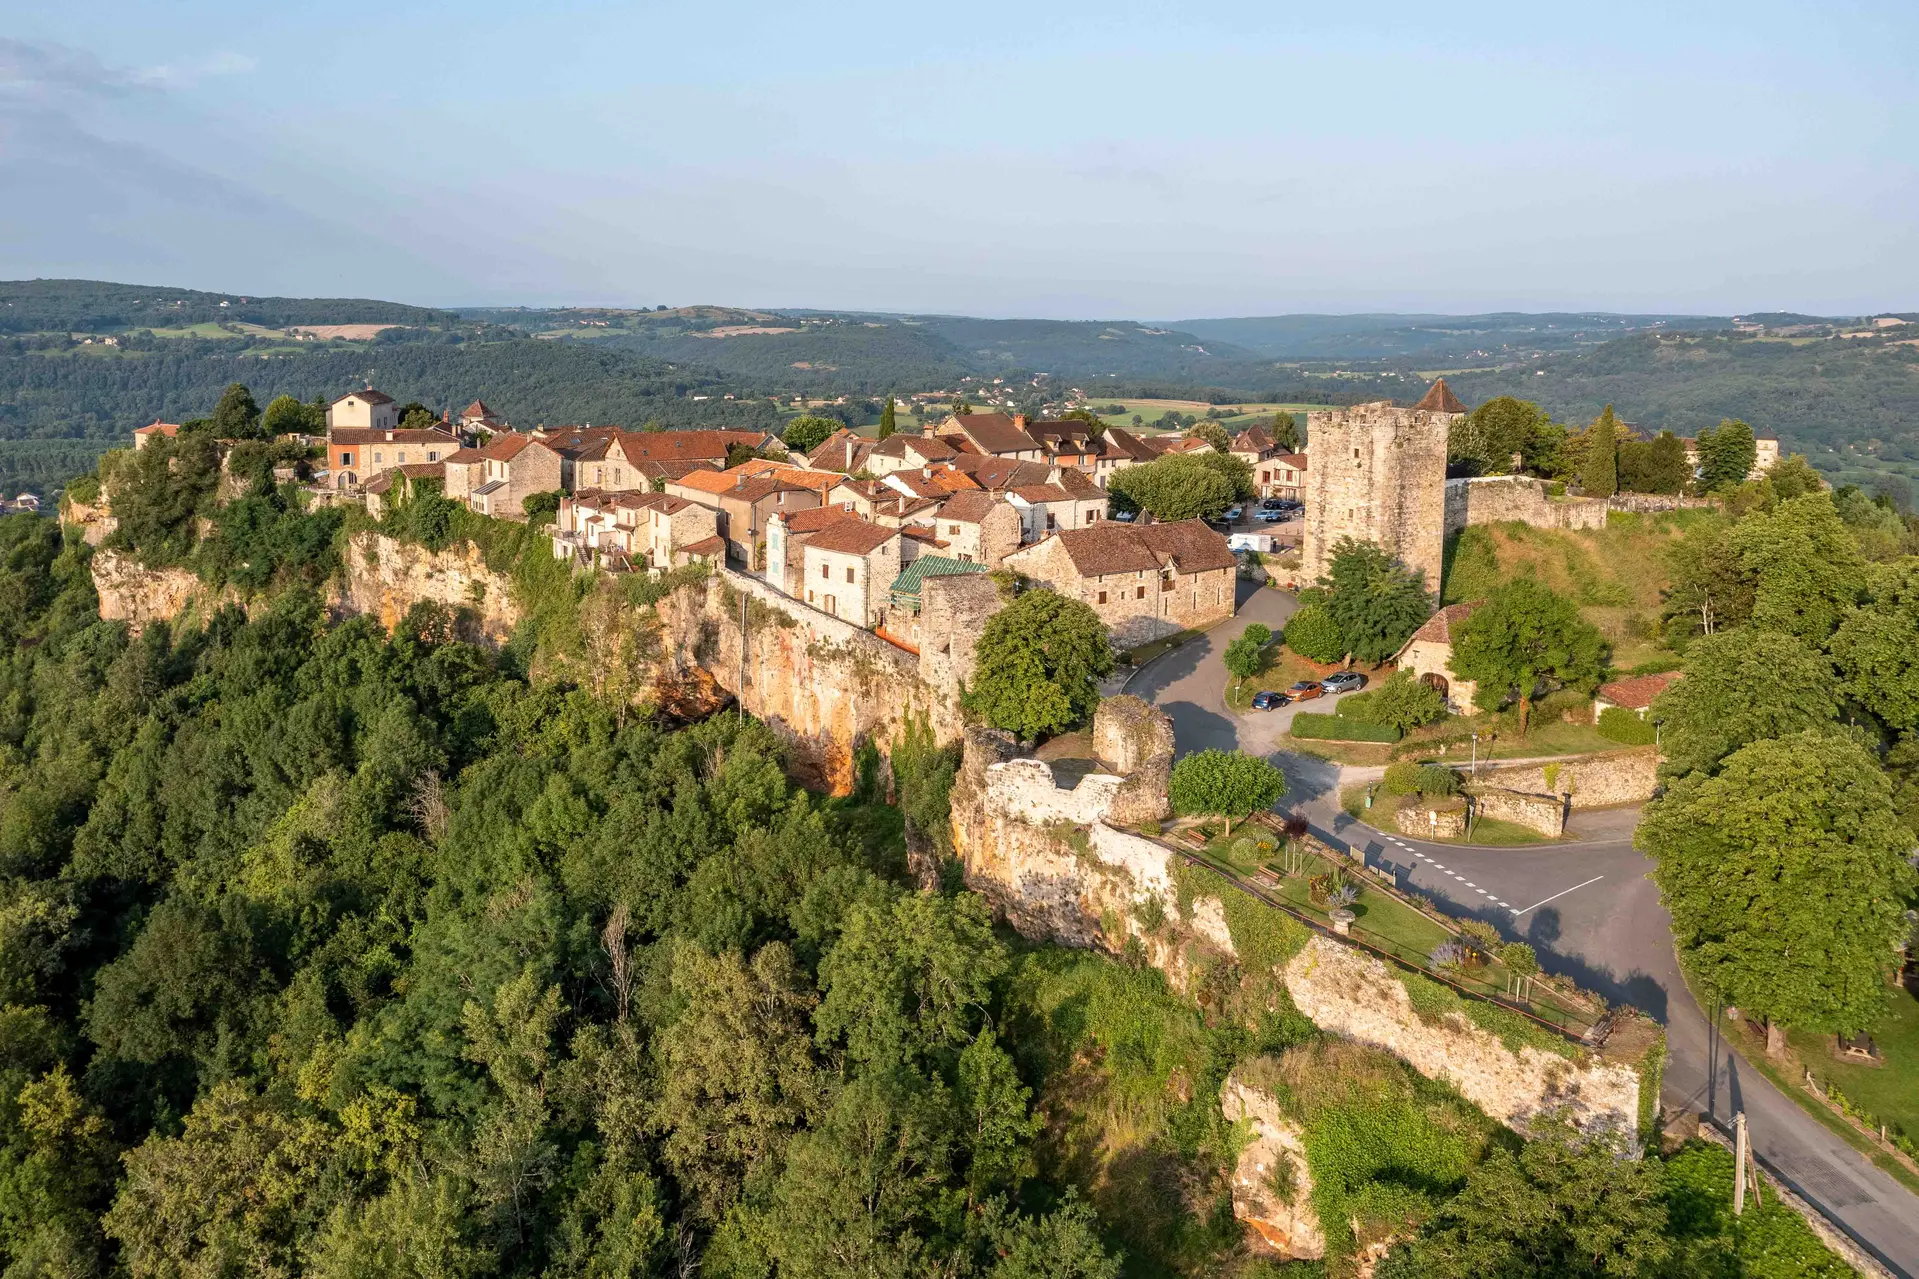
(1591, 910)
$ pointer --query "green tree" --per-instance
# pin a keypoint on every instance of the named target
(1314, 635)
(1377, 601)
(1740, 687)
(908, 979)
(1727, 454)
(1710, 589)
(804, 434)
(1174, 488)
(1225, 784)
(1064, 1244)
(1877, 647)
(1244, 658)
(1786, 877)
(1523, 639)
(1214, 434)
(1286, 434)
(736, 1072)
(236, 416)
(540, 508)
(1403, 703)
(1599, 474)
(1793, 476)
(1492, 435)
(1564, 1205)
(1805, 566)
(288, 416)
(997, 1126)
(1657, 465)
(887, 425)
(1040, 662)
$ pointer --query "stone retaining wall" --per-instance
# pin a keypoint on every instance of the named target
(1543, 814)
(1591, 781)
(1496, 499)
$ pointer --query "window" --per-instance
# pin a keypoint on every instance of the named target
(952, 530)
(832, 605)
(1092, 517)
(1051, 521)
(849, 573)
(826, 573)
(376, 455)
(617, 480)
(1166, 583)
(1139, 592)
(432, 455)
(1102, 597)
(346, 459)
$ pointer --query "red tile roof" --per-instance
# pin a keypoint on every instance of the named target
(683, 446)
(1109, 547)
(1637, 693)
(368, 396)
(852, 537)
(970, 507)
(816, 519)
(714, 545)
(168, 429)
(506, 447)
(1440, 398)
(994, 433)
(1438, 629)
(360, 435)
(1253, 439)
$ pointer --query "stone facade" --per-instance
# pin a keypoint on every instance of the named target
(1377, 474)
(1496, 499)
(1144, 583)
(1445, 820)
(1541, 814)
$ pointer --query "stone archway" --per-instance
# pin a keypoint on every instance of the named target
(344, 481)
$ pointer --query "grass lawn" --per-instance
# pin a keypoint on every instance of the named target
(1498, 833)
(1549, 736)
(1890, 1093)
(1150, 411)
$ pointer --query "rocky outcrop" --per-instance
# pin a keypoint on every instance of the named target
(1272, 1182)
(383, 578)
(95, 520)
(1353, 995)
(131, 592)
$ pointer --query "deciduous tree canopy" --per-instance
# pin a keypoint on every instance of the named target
(1040, 661)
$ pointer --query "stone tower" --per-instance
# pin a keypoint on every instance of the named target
(1376, 473)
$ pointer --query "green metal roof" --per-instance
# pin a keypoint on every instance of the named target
(906, 587)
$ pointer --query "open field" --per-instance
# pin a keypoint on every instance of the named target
(1236, 416)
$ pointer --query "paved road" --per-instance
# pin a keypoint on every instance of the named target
(1588, 907)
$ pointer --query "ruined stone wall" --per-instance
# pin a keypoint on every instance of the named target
(1353, 995)
(1592, 781)
(1642, 503)
(383, 578)
(1289, 1230)
(1378, 474)
(1496, 499)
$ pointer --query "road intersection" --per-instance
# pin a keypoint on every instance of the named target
(1589, 908)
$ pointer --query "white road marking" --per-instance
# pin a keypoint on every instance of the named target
(1440, 865)
(1470, 884)
(1556, 896)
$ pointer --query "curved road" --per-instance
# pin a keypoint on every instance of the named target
(1589, 908)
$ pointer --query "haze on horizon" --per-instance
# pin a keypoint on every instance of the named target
(1075, 161)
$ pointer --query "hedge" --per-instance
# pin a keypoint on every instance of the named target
(1618, 724)
(1333, 728)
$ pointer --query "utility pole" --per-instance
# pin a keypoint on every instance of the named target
(742, 650)
(1741, 1154)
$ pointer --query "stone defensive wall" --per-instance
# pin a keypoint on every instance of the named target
(1497, 499)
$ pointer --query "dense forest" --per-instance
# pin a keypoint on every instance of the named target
(1502, 335)
(96, 306)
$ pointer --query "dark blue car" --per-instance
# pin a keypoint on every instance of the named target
(1268, 700)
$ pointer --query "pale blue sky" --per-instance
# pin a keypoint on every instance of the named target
(1070, 160)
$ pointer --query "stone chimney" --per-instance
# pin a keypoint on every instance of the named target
(1019, 420)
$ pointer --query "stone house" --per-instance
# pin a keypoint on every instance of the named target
(512, 468)
(1068, 442)
(744, 504)
(786, 539)
(1636, 694)
(1047, 508)
(821, 482)
(907, 597)
(634, 530)
(1428, 656)
(1281, 475)
(1764, 458)
(843, 451)
(978, 527)
(990, 435)
(1253, 446)
(848, 569)
(356, 456)
(145, 435)
(904, 452)
(1145, 582)
(367, 410)
(476, 418)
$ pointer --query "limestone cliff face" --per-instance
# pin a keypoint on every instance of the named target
(1285, 1223)
(827, 686)
(94, 520)
(1353, 995)
(132, 593)
(383, 578)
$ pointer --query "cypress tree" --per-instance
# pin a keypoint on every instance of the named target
(886, 418)
(1600, 475)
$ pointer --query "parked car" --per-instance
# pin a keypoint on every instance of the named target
(1343, 682)
(1268, 700)
(1305, 691)
(1232, 514)
(1270, 516)
(1125, 517)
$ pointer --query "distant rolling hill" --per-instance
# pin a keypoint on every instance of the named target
(1497, 336)
(96, 306)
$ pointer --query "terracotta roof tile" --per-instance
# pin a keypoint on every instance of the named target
(1637, 693)
(1440, 398)
(1438, 629)
(1110, 547)
(851, 537)
(994, 433)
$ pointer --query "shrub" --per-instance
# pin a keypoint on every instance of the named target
(1408, 778)
(1313, 634)
(1618, 724)
(1403, 702)
(1448, 954)
(1519, 957)
(1332, 728)
(1483, 934)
